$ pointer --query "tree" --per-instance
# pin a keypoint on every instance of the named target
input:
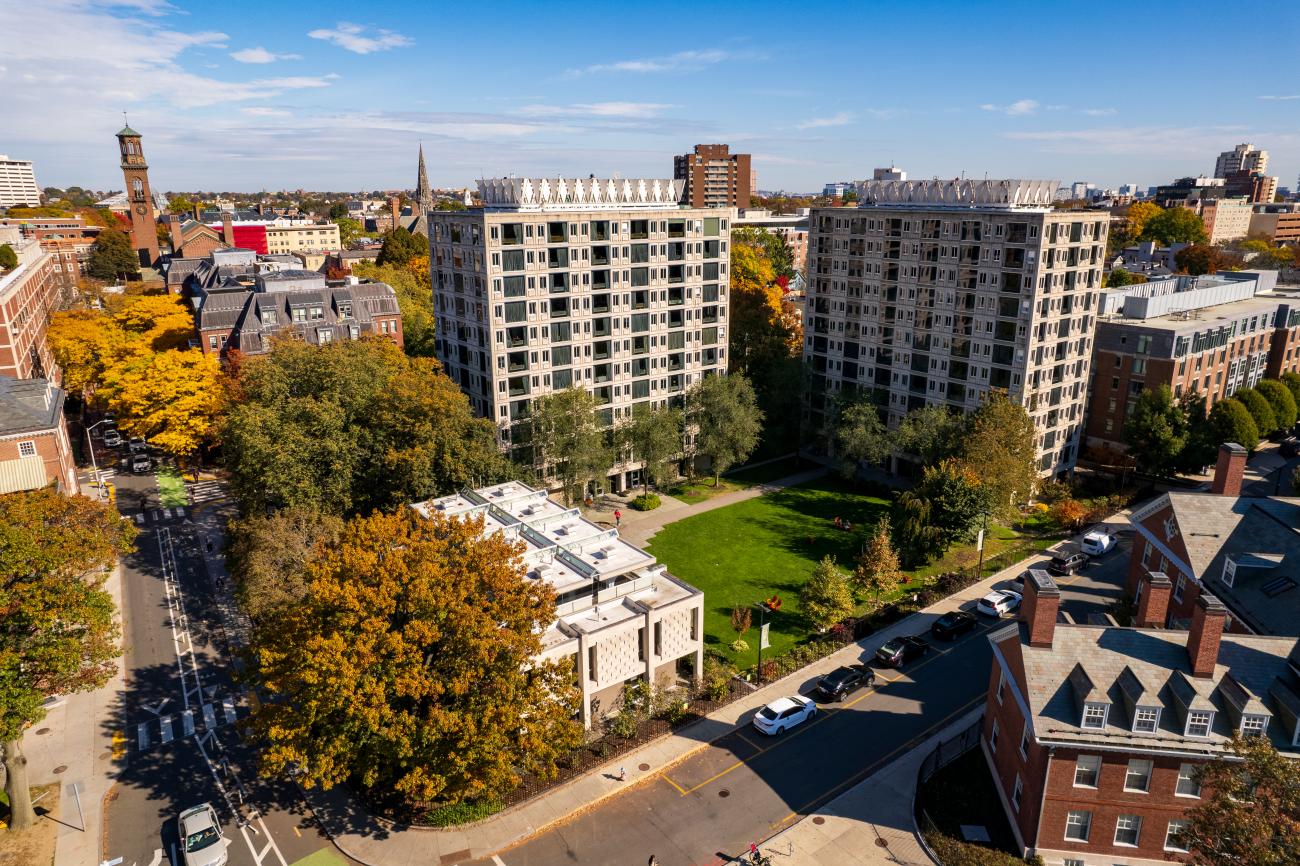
(742, 617)
(1119, 278)
(1136, 219)
(654, 437)
(878, 570)
(858, 435)
(827, 597)
(569, 440)
(959, 501)
(8, 258)
(160, 322)
(180, 204)
(350, 230)
(1068, 513)
(727, 420)
(1156, 431)
(269, 554)
(1264, 255)
(338, 210)
(1292, 382)
(1230, 421)
(85, 343)
(1200, 448)
(1178, 225)
(915, 533)
(1000, 445)
(400, 246)
(1249, 814)
(60, 632)
(775, 249)
(111, 257)
(411, 666)
(173, 399)
(414, 299)
(1204, 259)
(758, 326)
(1260, 411)
(1280, 401)
(931, 433)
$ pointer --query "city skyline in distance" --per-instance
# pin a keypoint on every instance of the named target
(242, 97)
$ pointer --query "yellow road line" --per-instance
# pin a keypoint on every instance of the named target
(748, 740)
(119, 744)
(664, 776)
(717, 776)
(296, 832)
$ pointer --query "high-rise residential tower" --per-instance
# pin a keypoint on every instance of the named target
(1243, 157)
(936, 292)
(606, 285)
(144, 218)
(18, 183)
(713, 176)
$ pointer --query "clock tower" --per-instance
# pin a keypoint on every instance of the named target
(144, 219)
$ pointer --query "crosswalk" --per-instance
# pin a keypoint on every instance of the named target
(206, 491)
(159, 515)
(166, 728)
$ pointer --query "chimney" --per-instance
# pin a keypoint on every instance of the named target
(1228, 471)
(1203, 637)
(228, 229)
(1153, 604)
(395, 208)
(174, 229)
(1038, 610)
(198, 211)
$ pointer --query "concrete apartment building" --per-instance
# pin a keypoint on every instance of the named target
(1094, 733)
(620, 616)
(302, 238)
(18, 183)
(936, 292)
(1215, 334)
(34, 447)
(28, 293)
(1227, 219)
(713, 176)
(1243, 157)
(607, 285)
(1277, 223)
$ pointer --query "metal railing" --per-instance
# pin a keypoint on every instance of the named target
(941, 756)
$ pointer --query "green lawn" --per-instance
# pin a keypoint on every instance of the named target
(700, 489)
(171, 489)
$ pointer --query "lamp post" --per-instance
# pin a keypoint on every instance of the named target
(90, 446)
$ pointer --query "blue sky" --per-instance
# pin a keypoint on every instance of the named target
(281, 94)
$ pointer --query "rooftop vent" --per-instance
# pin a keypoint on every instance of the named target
(1277, 586)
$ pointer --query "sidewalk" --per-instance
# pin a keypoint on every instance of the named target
(361, 837)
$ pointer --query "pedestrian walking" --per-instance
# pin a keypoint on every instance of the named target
(622, 774)
(618, 518)
(654, 861)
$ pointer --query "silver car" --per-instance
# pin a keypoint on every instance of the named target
(202, 842)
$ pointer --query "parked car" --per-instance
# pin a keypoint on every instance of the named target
(1098, 543)
(112, 439)
(999, 602)
(141, 463)
(1067, 562)
(202, 842)
(837, 684)
(784, 713)
(900, 650)
(1290, 447)
(137, 445)
(951, 624)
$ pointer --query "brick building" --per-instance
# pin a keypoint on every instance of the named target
(713, 176)
(67, 239)
(1094, 733)
(34, 447)
(28, 293)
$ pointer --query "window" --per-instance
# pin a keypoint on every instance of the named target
(1128, 828)
(1072, 861)
(1138, 777)
(1024, 742)
(1086, 769)
(1187, 785)
(993, 737)
(1094, 716)
(1198, 723)
(1017, 793)
(28, 448)
(1174, 836)
(1145, 719)
(1253, 726)
(1077, 826)
(1178, 589)
(1002, 685)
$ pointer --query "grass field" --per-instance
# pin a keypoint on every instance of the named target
(701, 489)
(171, 489)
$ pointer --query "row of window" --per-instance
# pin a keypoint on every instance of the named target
(1128, 832)
(1137, 776)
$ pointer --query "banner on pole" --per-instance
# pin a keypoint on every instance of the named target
(762, 637)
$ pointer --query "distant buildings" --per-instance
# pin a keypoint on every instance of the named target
(1277, 223)
(68, 240)
(1149, 259)
(837, 190)
(1190, 191)
(34, 447)
(791, 228)
(713, 176)
(936, 292)
(1245, 172)
(1226, 219)
(18, 183)
(28, 293)
(891, 173)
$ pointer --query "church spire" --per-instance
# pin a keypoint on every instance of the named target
(423, 192)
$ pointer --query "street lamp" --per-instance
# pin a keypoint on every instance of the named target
(90, 445)
(766, 606)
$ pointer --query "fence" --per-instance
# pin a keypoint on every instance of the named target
(948, 751)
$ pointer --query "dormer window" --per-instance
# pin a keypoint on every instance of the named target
(1229, 572)
(1094, 716)
(1146, 720)
(268, 317)
(1253, 726)
(1199, 723)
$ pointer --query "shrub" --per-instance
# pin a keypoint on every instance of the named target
(461, 813)
(1051, 491)
(739, 645)
(624, 725)
(953, 852)
(716, 682)
(646, 502)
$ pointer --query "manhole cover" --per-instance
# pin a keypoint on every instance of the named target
(42, 731)
(643, 767)
(724, 793)
(819, 820)
(881, 843)
(61, 768)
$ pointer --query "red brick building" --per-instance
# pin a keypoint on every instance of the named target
(28, 293)
(1093, 733)
(34, 447)
(714, 177)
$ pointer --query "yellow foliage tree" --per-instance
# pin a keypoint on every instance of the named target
(172, 397)
(84, 344)
(419, 268)
(163, 321)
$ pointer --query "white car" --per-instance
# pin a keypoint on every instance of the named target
(1097, 542)
(202, 842)
(112, 439)
(784, 713)
(999, 602)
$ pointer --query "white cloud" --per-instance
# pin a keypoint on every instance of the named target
(1098, 112)
(1019, 108)
(638, 110)
(1288, 97)
(261, 55)
(842, 118)
(682, 61)
(262, 111)
(353, 37)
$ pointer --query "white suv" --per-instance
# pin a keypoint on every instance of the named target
(1097, 542)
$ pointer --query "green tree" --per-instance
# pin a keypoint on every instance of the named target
(1119, 278)
(1280, 401)
(859, 435)
(350, 230)
(411, 666)
(1249, 814)
(919, 540)
(1200, 447)
(181, 205)
(269, 555)
(400, 246)
(1156, 431)
(1135, 221)
(1177, 225)
(1201, 259)
(958, 500)
(111, 257)
(1230, 421)
(878, 570)
(8, 258)
(569, 440)
(727, 419)
(59, 633)
(931, 433)
(776, 250)
(1000, 446)
(1260, 411)
(654, 437)
(827, 597)
(414, 299)
(1292, 382)
(338, 210)
(1264, 255)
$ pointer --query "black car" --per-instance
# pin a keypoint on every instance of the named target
(901, 650)
(1067, 563)
(952, 623)
(839, 682)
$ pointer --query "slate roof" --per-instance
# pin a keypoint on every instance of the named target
(29, 406)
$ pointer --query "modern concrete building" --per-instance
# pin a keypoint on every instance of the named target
(28, 293)
(1277, 223)
(18, 183)
(713, 176)
(1227, 219)
(935, 292)
(1243, 157)
(620, 616)
(607, 285)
